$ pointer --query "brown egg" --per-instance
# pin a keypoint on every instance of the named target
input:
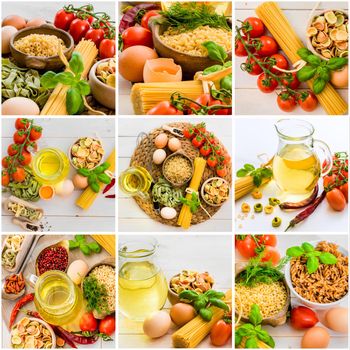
(182, 313)
(315, 338)
(337, 319)
(15, 21)
(35, 22)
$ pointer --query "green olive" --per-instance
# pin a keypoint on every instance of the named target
(258, 208)
(274, 201)
(276, 222)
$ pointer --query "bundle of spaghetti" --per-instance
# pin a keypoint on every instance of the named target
(185, 216)
(107, 242)
(193, 332)
(278, 25)
(245, 185)
(88, 196)
(56, 104)
(145, 96)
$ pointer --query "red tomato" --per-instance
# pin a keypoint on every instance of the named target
(63, 19)
(240, 51)
(35, 133)
(107, 325)
(164, 108)
(88, 322)
(78, 28)
(107, 48)
(291, 81)
(246, 245)
(25, 158)
(19, 136)
(137, 36)
(286, 102)
(270, 240)
(307, 101)
(345, 191)
(19, 175)
(336, 199)
(208, 100)
(6, 161)
(220, 333)
(329, 180)
(91, 19)
(227, 159)
(271, 254)
(253, 26)
(212, 161)
(95, 35)
(221, 171)
(252, 67)
(21, 123)
(188, 133)
(12, 149)
(198, 141)
(278, 60)
(5, 178)
(205, 150)
(302, 317)
(200, 128)
(145, 19)
(266, 84)
(268, 46)
(31, 146)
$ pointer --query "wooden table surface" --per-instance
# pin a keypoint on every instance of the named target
(61, 214)
(211, 253)
(131, 217)
(249, 99)
(285, 336)
(44, 241)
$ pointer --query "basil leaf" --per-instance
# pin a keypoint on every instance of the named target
(319, 85)
(266, 172)
(255, 316)
(251, 343)
(335, 63)
(249, 167)
(307, 247)
(270, 342)
(328, 258)
(306, 73)
(83, 87)
(314, 60)
(212, 69)
(95, 187)
(313, 253)
(76, 63)
(189, 295)
(241, 173)
(48, 80)
(304, 53)
(263, 335)
(104, 178)
(84, 172)
(257, 180)
(65, 78)
(324, 73)
(214, 294)
(312, 264)
(228, 64)
(238, 339)
(73, 101)
(215, 51)
(219, 303)
(206, 314)
(294, 252)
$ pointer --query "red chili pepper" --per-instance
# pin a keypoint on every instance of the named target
(78, 338)
(301, 204)
(110, 196)
(20, 303)
(109, 186)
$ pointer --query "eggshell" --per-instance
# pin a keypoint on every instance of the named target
(35, 22)
(20, 106)
(14, 20)
(315, 338)
(157, 324)
(168, 213)
(158, 156)
(174, 144)
(77, 270)
(161, 70)
(337, 319)
(64, 188)
(161, 140)
(6, 34)
(182, 313)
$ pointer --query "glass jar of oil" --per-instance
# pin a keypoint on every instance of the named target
(50, 166)
(143, 287)
(58, 300)
(296, 165)
(135, 181)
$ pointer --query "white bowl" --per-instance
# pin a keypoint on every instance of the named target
(307, 302)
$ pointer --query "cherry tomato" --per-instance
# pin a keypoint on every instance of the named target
(218, 150)
(329, 180)
(25, 158)
(63, 19)
(291, 81)
(21, 123)
(221, 171)
(307, 101)
(270, 240)
(205, 150)
(253, 26)
(19, 175)
(271, 254)
(198, 141)
(137, 36)
(88, 322)
(107, 325)
(35, 133)
(5, 178)
(208, 100)
(266, 84)
(189, 133)
(95, 35)
(200, 128)
(278, 60)
(226, 159)
(252, 67)
(6, 161)
(91, 19)
(302, 317)
(78, 28)
(164, 108)
(212, 161)
(286, 102)
(345, 191)
(19, 136)
(240, 51)
(31, 146)
(336, 199)
(268, 46)
(220, 333)
(12, 149)
(107, 48)
(246, 245)
(146, 17)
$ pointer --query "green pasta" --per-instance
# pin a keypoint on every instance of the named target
(164, 193)
(28, 189)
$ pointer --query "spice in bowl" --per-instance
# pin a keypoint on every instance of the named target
(14, 284)
(177, 169)
(215, 191)
(52, 258)
(86, 153)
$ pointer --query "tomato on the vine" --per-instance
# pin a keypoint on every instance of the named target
(5, 178)
(200, 128)
(277, 60)
(286, 102)
(63, 19)
(95, 35)
(252, 67)
(246, 245)
(307, 101)
(221, 171)
(12, 149)
(205, 150)
(146, 17)
(78, 28)
(6, 161)
(266, 84)
(18, 175)
(137, 36)
(25, 158)
(31, 146)
(21, 123)
(35, 133)
(270, 254)
(189, 133)
(240, 50)
(291, 81)
(329, 180)
(253, 26)
(270, 240)
(208, 101)
(198, 141)
(107, 48)
(345, 191)
(268, 46)
(226, 159)
(19, 136)
(164, 108)
(212, 161)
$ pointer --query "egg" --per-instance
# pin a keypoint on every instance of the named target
(168, 213)
(337, 319)
(35, 22)
(161, 140)
(6, 33)
(19, 106)
(158, 156)
(14, 20)
(315, 338)
(132, 60)
(339, 78)
(161, 70)
(77, 270)
(174, 144)
(157, 324)
(80, 182)
(65, 188)
(182, 313)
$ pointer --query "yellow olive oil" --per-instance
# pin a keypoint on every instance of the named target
(142, 289)
(135, 181)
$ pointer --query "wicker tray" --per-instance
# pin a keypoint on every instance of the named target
(143, 157)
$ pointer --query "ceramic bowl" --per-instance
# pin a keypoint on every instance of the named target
(203, 191)
(178, 153)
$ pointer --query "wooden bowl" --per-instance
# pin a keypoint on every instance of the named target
(190, 64)
(203, 190)
(41, 63)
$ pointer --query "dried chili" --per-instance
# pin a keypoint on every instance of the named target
(301, 204)
(20, 303)
(109, 186)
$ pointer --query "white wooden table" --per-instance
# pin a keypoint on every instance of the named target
(285, 336)
(75, 254)
(61, 214)
(211, 253)
(249, 99)
(259, 136)
(131, 217)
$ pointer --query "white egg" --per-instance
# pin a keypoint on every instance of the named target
(65, 188)
(157, 324)
(168, 213)
(20, 106)
(6, 34)
(77, 270)
(158, 156)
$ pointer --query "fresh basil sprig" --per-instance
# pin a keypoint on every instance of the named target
(215, 51)
(96, 175)
(194, 202)
(318, 69)
(258, 174)
(77, 87)
(314, 257)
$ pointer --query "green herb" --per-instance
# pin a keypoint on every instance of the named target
(95, 294)
(252, 331)
(318, 69)
(96, 175)
(258, 174)
(86, 248)
(78, 88)
(203, 301)
(215, 51)
(194, 203)
(313, 257)
(88, 334)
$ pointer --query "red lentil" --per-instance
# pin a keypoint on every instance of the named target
(52, 258)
